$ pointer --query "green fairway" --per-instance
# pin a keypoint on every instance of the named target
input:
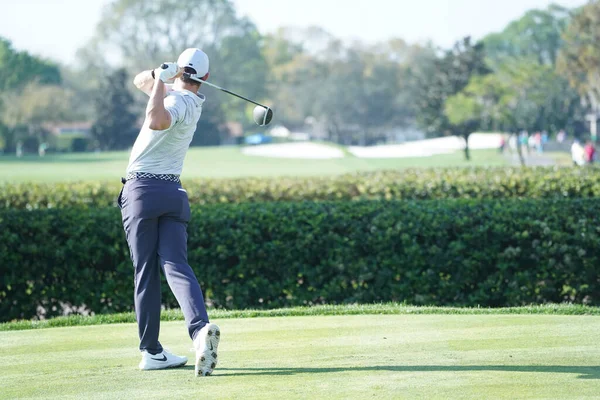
(319, 357)
(220, 162)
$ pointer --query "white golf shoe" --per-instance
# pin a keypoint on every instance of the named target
(206, 344)
(161, 360)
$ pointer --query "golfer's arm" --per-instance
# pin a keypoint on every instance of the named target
(144, 81)
(157, 117)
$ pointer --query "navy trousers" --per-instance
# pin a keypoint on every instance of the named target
(155, 217)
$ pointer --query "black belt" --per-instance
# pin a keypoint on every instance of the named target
(141, 175)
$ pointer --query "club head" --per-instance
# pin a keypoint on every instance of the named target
(262, 115)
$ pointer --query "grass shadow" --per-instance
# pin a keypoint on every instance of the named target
(584, 372)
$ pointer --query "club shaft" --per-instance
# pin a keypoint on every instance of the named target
(233, 94)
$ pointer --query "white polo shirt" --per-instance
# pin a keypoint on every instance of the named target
(163, 152)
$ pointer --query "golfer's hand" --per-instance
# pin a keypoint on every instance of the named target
(167, 72)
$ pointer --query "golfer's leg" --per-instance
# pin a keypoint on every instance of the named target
(142, 237)
(172, 250)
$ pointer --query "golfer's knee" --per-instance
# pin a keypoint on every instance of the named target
(177, 266)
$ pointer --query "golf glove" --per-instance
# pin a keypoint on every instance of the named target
(166, 72)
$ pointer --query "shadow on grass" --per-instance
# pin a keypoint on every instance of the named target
(584, 372)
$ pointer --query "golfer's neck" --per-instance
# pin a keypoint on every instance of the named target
(178, 85)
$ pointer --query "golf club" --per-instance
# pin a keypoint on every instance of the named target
(261, 117)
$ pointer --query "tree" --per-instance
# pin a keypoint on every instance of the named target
(208, 130)
(358, 99)
(146, 34)
(27, 113)
(295, 74)
(84, 88)
(115, 126)
(579, 59)
(17, 68)
(441, 78)
(354, 92)
(22, 107)
(522, 94)
(536, 35)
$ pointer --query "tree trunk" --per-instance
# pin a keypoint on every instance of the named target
(467, 153)
(520, 152)
(334, 132)
(10, 142)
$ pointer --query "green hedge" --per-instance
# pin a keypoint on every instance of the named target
(448, 252)
(417, 184)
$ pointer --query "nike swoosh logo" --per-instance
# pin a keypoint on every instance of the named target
(211, 347)
(160, 359)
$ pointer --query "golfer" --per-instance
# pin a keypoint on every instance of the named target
(156, 211)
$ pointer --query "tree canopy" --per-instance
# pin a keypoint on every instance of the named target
(115, 126)
(30, 95)
(144, 34)
(520, 95)
(17, 68)
(537, 35)
(531, 75)
(524, 91)
(579, 59)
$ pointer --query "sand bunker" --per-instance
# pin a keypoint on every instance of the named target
(421, 148)
(427, 148)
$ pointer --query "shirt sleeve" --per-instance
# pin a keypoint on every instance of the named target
(175, 105)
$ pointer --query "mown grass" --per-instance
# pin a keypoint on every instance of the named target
(441, 356)
(219, 162)
(560, 158)
(320, 310)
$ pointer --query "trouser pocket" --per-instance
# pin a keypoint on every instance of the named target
(185, 213)
(120, 198)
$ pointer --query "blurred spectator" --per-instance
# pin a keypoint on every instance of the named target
(532, 143)
(524, 141)
(537, 140)
(502, 144)
(513, 143)
(561, 136)
(544, 139)
(42, 149)
(590, 152)
(19, 149)
(577, 153)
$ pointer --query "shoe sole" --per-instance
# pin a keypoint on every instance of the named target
(167, 367)
(207, 360)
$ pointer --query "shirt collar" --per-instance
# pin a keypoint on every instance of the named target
(198, 96)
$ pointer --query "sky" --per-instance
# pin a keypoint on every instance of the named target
(55, 29)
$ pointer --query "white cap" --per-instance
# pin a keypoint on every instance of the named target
(194, 58)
